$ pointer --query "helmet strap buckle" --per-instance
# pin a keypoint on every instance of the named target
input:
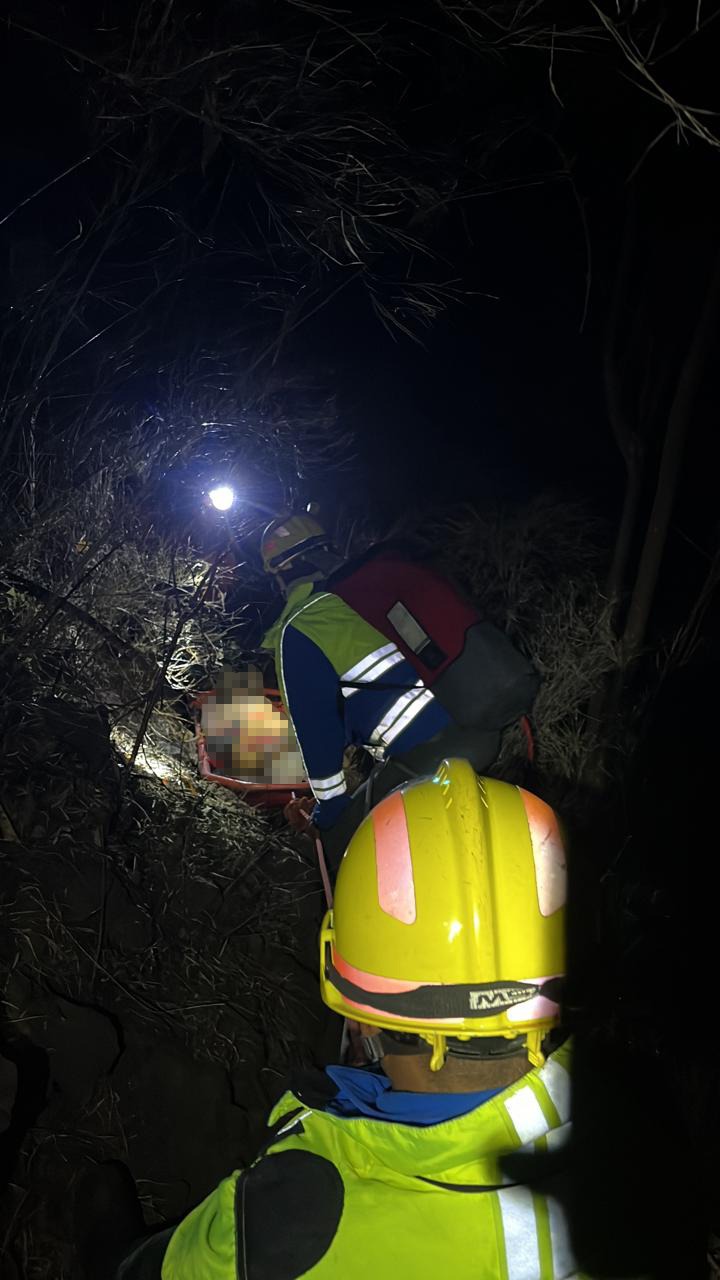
(372, 1048)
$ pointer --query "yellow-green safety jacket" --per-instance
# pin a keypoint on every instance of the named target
(350, 1197)
(344, 683)
(329, 623)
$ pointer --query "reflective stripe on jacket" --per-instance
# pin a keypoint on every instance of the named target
(344, 683)
(342, 1197)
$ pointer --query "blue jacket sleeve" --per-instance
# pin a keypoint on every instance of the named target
(312, 690)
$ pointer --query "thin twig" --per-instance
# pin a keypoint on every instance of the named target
(58, 178)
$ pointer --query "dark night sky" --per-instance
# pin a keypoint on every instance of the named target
(505, 395)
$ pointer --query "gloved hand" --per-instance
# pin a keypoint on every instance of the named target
(297, 814)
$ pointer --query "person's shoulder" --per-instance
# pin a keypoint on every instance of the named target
(288, 1208)
(290, 1202)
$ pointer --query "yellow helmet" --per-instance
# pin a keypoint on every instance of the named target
(448, 917)
(289, 537)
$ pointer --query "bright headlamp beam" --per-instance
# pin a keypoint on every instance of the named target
(222, 497)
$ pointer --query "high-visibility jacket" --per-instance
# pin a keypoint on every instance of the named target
(344, 683)
(350, 1197)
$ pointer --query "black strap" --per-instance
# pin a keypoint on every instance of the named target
(452, 1000)
(471, 1187)
(298, 550)
(378, 684)
(544, 1171)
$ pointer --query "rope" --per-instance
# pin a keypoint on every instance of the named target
(323, 871)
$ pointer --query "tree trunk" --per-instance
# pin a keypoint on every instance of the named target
(604, 703)
(623, 542)
(675, 436)
(619, 347)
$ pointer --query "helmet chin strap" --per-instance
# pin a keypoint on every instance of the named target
(478, 1049)
(399, 1044)
(486, 1048)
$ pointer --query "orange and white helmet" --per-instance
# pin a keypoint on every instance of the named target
(448, 917)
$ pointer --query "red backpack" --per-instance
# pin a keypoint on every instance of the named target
(473, 669)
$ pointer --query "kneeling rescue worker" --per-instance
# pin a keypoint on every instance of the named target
(383, 653)
(446, 938)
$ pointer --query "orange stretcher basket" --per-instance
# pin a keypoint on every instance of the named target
(270, 794)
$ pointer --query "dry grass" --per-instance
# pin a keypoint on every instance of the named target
(638, 40)
(170, 907)
(536, 572)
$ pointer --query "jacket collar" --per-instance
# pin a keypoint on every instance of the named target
(466, 1150)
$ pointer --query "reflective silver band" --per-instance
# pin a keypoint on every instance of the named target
(526, 1115)
(370, 668)
(522, 1255)
(402, 713)
(373, 673)
(557, 1082)
(328, 788)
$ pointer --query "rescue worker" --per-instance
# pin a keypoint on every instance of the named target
(446, 937)
(345, 683)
